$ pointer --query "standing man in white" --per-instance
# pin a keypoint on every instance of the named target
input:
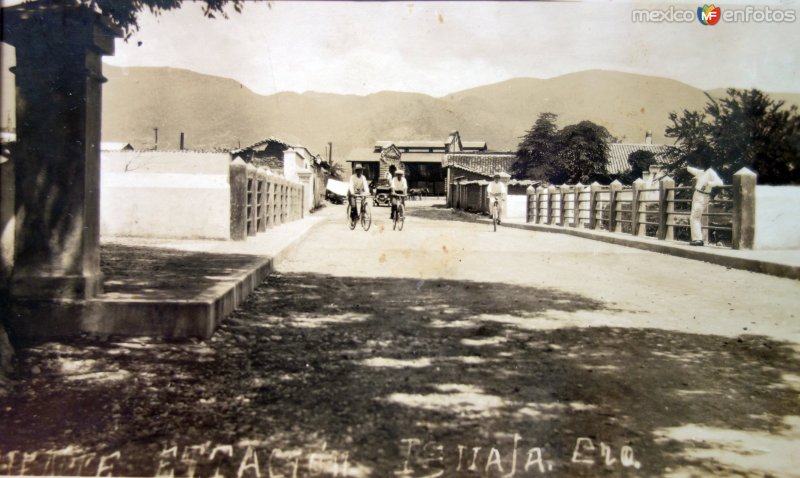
(705, 182)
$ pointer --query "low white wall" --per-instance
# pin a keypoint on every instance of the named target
(516, 205)
(777, 217)
(178, 194)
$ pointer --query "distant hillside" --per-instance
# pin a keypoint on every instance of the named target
(220, 112)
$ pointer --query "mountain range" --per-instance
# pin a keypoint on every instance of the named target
(216, 112)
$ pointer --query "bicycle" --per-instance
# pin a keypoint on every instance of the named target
(495, 213)
(400, 213)
(365, 216)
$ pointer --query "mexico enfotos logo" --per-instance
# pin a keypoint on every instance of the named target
(712, 15)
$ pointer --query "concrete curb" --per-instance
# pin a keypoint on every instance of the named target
(687, 252)
(197, 317)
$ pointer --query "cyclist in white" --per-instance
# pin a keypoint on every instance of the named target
(359, 186)
(399, 185)
(497, 189)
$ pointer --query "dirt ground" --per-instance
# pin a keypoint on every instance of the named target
(441, 350)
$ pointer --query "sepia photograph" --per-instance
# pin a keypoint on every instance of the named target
(400, 238)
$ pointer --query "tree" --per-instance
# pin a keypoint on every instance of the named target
(125, 12)
(745, 129)
(639, 161)
(576, 153)
(336, 170)
(537, 153)
(584, 152)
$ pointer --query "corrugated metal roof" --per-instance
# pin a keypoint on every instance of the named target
(411, 144)
(618, 155)
(473, 144)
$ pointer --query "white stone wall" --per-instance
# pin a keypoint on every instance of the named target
(176, 194)
(777, 217)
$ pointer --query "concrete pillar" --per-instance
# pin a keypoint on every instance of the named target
(744, 209)
(530, 209)
(551, 191)
(6, 219)
(238, 183)
(578, 188)
(635, 205)
(564, 189)
(615, 188)
(57, 160)
(594, 190)
(666, 208)
(263, 192)
(252, 184)
(307, 182)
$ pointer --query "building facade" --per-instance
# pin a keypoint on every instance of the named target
(422, 161)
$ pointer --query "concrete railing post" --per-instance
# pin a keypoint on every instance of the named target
(6, 219)
(251, 200)
(550, 193)
(637, 185)
(238, 200)
(744, 209)
(594, 190)
(615, 188)
(530, 196)
(563, 206)
(58, 79)
(263, 191)
(576, 205)
(274, 202)
(666, 208)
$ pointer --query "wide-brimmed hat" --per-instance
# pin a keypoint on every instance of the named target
(357, 166)
(399, 171)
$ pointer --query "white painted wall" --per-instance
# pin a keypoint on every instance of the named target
(516, 207)
(179, 194)
(777, 217)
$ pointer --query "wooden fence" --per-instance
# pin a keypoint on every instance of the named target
(661, 211)
(260, 200)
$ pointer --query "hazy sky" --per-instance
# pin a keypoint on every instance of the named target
(437, 48)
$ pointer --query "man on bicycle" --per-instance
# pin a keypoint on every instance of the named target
(399, 187)
(359, 187)
(496, 190)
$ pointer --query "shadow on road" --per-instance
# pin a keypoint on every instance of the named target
(390, 370)
(156, 272)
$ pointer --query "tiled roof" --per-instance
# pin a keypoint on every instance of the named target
(271, 139)
(483, 163)
(618, 155)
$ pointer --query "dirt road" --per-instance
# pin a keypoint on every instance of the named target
(442, 350)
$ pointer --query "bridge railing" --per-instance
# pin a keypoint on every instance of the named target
(660, 210)
(260, 200)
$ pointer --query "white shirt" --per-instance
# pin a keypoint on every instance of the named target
(496, 188)
(359, 185)
(399, 185)
(706, 180)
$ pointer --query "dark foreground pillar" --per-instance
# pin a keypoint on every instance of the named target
(57, 162)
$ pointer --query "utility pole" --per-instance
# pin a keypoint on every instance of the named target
(156, 130)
